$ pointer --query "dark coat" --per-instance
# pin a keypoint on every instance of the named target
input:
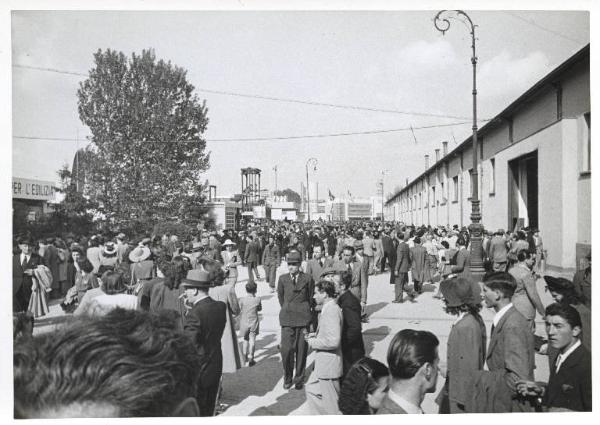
(463, 264)
(388, 245)
(271, 255)
(418, 254)
(296, 301)
(22, 282)
(205, 324)
(314, 269)
(51, 261)
(252, 252)
(402, 258)
(496, 250)
(353, 347)
(571, 387)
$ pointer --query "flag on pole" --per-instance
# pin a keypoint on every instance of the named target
(349, 194)
(331, 197)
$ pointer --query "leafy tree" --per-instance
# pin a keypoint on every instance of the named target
(147, 151)
(292, 196)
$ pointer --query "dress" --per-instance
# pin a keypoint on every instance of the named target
(229, 341)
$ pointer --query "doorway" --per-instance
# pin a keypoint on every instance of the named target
(523, 191)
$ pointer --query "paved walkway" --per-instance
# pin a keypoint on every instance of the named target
(258, 390)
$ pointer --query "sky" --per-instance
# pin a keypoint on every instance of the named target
(383, 60)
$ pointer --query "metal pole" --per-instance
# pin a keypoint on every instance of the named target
(476, 228)
(307, 194)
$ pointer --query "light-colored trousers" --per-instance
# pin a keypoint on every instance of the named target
(322, 397)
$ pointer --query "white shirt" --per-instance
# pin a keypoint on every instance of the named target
(404, 404)
(501, 313)
(562, 357)
(23, 257)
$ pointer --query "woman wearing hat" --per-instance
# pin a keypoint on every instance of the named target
(466, 342)
(231, 259)
(108, 257)
(142, 267)
(113, 296)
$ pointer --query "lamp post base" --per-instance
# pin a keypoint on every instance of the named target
(477, 269)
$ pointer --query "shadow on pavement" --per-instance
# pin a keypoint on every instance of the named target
(256, 380)
(373, 336)
(286, 403)
(374, 308)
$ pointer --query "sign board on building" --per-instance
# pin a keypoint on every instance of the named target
(32, 189)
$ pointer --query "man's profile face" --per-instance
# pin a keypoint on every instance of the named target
(490, 297)
(25, 248)
(432, 381)
(347, 256)
(560, 333)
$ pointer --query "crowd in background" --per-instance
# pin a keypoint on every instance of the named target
(182, 289)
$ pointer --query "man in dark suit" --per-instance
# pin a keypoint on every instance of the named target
(413, 361)
(570, 384)
(388, 251)
(204, 323)
(463, 260)
(402, 268)
(251, 255)
(353, 346)
(23, 265)
(418, 254)
(510, 354)
(271, 260)
(295, 291)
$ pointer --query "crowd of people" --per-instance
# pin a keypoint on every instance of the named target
(177, 294)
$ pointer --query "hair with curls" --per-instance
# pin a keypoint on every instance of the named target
(409, 350)
(135, 361)
(523, 255)
(327, 287)
(360, 380)
(567, 312)
(85, 265)
(472, 309)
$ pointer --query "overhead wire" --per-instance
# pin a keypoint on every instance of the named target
(535, 24)
(258, 139)
(272, 98)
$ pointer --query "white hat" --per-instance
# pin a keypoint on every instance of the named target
(228, 242)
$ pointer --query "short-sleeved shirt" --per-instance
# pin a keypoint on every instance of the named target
(250, 306)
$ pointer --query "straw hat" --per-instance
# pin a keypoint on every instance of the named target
(139, 253)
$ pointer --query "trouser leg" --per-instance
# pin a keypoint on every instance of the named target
(250, 267)
(273, 273)
(287, 353)
(301, 354)
(207, 398)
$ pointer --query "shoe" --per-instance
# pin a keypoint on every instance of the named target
(439, 297)
(251, 363)
(365, 320)
(398, 301)
(287, 386)
(299, 385)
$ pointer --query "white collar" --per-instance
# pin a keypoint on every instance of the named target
(460, 317)
(562, 357)
(200, 299)
(501, 313)
(404, 404)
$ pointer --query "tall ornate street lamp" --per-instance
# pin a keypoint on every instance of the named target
(313, 164)
(442, 24)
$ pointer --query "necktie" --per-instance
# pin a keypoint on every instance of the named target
(558, 362)
(493, 327)
(321, 263)
(25, 261)
(349, 268)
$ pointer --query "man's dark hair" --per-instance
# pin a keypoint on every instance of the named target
(409, 350)
(501, 281)
(523, 255)
(136, 361)
(327, 287)
(85, 265)
(567, 312)
(445, 244)
(417, 240)
(349, 248)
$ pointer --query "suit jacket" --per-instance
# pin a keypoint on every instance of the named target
(369, 246)
(466, 353)
(314, 269)
(271, 255)
(378, 246)
(328, 342)
(402, 258)
(231, 259)
(463, 264)
(296, 301)
(252, 252)
(353, 347)
(205, 324)
(51, 261)
(418, 254)
(21, 282)
(386, 241)
(510, 357)
(388, 407)
(360, 276)
(497, 250)
(571, 387)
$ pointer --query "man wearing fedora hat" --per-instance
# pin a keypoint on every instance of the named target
(23, 265)
(204, 323)
(295, 292)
